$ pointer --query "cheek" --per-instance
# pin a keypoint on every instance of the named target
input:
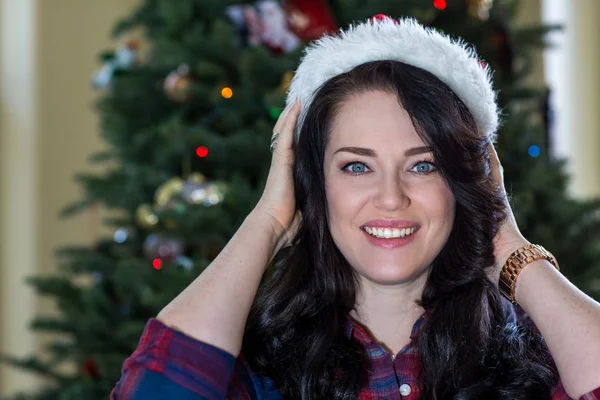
(440, 205)
(343, 203)
(433, 198)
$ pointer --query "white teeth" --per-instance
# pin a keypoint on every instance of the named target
(387, 233)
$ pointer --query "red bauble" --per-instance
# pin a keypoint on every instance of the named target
(90, 369)
(162, 247)
(310, 19)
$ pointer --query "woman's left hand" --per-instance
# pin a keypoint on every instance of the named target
(509, 238)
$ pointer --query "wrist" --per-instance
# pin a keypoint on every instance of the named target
(528, 276)
(270, 225)
(509, 247)
(502, 251)
(516, 263)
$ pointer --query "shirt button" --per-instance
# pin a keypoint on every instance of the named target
(404, 389)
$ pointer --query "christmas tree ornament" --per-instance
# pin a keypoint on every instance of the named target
(90, 369)
(121, 235)
(127, 55)
(177, 84)
(165, 192)
(310, 19)
(103, 77)
(479, 8)
(160, 246)
(197, 190)
(124, 58)
(145, 217)
(184, 262)
(268, 23)
(246, 20)
(167, 197)
(276, 34)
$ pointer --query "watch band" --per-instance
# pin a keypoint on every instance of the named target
(518, 260)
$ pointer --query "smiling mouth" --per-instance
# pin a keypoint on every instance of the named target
(390, 233)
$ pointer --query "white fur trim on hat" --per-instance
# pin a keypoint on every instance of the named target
(405, 40)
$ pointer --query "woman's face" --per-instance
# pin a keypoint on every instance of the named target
(381, 177)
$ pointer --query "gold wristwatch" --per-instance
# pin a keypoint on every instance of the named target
(515, 264)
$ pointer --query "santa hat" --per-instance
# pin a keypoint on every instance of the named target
(405, 40)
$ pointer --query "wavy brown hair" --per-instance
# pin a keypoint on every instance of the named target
(471, 345)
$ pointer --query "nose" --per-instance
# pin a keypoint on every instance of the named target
(391, 194)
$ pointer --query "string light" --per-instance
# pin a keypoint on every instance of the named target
(534, 151)
(157, 264)
(202, 151)
(227, 92)
(440, 4)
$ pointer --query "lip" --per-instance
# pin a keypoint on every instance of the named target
(390, 223)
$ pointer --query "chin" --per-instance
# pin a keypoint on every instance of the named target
(391, 275)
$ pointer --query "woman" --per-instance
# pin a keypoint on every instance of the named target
(400, 246)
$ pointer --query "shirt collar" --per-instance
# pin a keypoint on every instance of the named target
(356, 330)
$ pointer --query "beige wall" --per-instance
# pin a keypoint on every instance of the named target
(529, 15)
(47, 131)
(572, 69)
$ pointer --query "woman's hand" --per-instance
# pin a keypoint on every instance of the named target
(509, 238)
(278, 201)
(567, 318)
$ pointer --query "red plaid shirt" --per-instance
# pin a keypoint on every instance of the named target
(169, 365)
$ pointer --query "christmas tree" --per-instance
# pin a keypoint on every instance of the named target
(188, 124)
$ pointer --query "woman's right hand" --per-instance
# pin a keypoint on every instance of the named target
(206, 310)
(278, 202)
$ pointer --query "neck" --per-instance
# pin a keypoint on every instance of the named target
(389, 312)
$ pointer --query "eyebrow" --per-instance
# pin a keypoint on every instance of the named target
(361, 151)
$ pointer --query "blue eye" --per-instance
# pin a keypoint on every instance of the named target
(355, 168)
(424, 167)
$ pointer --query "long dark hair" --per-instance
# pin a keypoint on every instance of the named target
(471, 345)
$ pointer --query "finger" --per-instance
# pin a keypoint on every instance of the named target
(281, 119)
(286, 138)
(497, 170)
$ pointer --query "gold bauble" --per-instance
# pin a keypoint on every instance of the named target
(165, 192)
(196, 177)
(145, 217)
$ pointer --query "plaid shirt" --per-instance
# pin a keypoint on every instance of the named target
(169, 365)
